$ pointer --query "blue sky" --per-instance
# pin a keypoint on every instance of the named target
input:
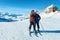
(25, 6)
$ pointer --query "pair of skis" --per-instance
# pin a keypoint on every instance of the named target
(35, 32)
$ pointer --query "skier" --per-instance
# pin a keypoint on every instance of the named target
(32, 20)
(37, 19)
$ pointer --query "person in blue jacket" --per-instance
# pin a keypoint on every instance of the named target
(37, 19)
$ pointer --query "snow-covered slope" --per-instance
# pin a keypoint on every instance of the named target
(52, 22)
(19, 30)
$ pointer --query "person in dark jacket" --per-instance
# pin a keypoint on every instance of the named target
(37, 19)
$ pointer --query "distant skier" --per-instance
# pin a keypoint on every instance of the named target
(32, 20)
(37, 19)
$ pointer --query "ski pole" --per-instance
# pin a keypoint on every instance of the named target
(41, 26)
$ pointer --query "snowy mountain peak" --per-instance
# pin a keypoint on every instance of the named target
(50, 6)
(47, 8)
(48, 12)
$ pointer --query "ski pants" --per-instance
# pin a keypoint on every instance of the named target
(32, 23)
(37, 23)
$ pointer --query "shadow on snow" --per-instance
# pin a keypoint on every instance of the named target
(43, 31)
(47, 31)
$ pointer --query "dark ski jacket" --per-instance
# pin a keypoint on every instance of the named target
(37, 17)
